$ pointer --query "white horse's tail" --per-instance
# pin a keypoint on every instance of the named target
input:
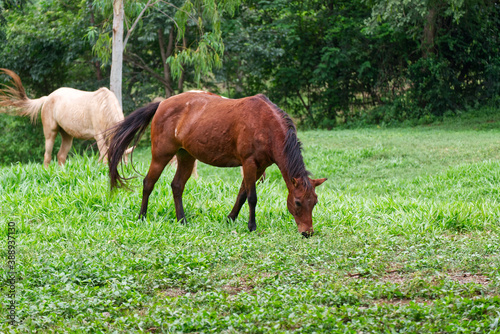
(16, 98)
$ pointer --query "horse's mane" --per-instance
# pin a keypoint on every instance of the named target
(292, 146)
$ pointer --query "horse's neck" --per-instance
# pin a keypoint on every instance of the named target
(280, 159)
(286, 177)
(284, 135)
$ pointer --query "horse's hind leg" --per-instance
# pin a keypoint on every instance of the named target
(50, 137)
(158, 163)
(66, 143)
(185, 165)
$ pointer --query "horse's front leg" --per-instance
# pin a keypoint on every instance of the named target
(240, 200)
(103, 148)
(250, 176)
(242, 197)
(185, 165)
(252, 203)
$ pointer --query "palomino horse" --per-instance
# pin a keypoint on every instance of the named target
(250, 132)
(71, 112)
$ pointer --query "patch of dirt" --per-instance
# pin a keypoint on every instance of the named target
(234, 290)
(243, 284)
(402, 302)
(460, 277)
(173, 292)
(392, 276)
(246, 283)
(395, 277)
(464, 278)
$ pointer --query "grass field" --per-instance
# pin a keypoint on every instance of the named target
(407, 231)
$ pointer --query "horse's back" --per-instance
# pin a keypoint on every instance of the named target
(216, 130)
(82, 114)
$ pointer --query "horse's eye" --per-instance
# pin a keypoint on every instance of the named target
(297, 203)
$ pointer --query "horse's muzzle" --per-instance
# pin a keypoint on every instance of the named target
(307, 234)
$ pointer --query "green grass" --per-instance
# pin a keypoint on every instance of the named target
(407, 229)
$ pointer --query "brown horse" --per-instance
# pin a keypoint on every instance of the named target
(71, 112)
(250, 132)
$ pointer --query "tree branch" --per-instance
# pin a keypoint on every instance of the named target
(149, 4)
(139, 62)
(165, 53)
(307, 107)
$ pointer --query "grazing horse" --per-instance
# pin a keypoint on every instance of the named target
(71, 112)
(250, 132)
(195, 168)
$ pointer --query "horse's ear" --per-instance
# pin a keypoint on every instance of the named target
(318, 182)
(295, 182)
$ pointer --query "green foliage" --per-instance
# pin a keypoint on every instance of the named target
(20, 141)
(43, 43)
(203, 53)
(332, 62)
(206, 57)
(458, 44)
(406, 241)
(324, 62)
(208, 53)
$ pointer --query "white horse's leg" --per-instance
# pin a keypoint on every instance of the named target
(50, 133)
(128, 152)
(66, 143)
(103, 148)
(261, 179)
(173, 162)
(195, 169)
(50, 129)
(50, 138)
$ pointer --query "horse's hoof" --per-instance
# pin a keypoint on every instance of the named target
(307, 234)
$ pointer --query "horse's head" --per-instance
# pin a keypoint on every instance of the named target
(300, 202)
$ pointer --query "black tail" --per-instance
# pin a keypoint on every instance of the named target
(133, 126)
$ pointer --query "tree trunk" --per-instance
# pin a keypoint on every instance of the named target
(307, 107)
(97, 63)
(429, 33)
(164, 55)
(115, 82)
(180, 85)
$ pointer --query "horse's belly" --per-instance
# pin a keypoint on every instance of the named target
(214, 156)
(77, 128)
(220, 162)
